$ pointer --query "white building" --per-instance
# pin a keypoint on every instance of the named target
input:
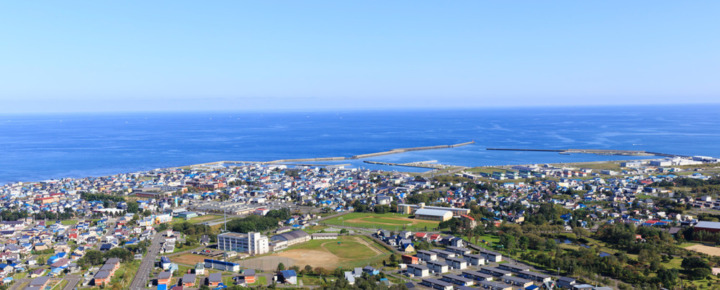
(251, 243)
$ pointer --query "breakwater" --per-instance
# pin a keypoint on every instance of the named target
(321, 159)
(402, 150)
(593, 151)
(420, 164)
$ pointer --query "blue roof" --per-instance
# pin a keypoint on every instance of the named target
(288, 273)
(220, 262)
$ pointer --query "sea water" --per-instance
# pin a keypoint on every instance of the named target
(50, 146)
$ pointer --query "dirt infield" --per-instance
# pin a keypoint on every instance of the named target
(267, 263)
(712, 251)
(328, 254)
(188, 259)
(315, 258)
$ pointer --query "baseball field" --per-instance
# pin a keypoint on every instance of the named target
(387, 221)
(346, 252)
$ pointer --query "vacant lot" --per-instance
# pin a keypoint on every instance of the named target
(188, 259)
(346, 252)
(712, 251)
(388, 221)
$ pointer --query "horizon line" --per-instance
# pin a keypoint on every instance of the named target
(358, 109)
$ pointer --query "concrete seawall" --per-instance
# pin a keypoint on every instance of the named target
(593, 151)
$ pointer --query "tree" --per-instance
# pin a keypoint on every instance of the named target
(690, 263)
(281, 267)
(393, 258)
(699, 273)
(133, 207)
(308, 269)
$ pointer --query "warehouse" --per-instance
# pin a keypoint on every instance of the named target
(433, 214)
(292, 238)
(712, 227)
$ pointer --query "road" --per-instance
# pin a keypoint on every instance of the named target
(73, 280)
(147, 264)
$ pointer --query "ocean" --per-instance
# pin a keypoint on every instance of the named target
(49, 146)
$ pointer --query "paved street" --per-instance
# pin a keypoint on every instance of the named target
(147, 264)
(73, 280)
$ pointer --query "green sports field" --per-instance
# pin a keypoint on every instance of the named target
(387, 221)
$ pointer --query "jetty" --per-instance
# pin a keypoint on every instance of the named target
(322, 159)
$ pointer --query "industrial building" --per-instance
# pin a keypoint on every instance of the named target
(433, 214)
(712, 227)
(292, 238)
(412, 208)
(221, 265)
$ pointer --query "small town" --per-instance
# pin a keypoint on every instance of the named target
(605, 225)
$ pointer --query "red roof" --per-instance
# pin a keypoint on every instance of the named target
(420, 235)
(468, 217)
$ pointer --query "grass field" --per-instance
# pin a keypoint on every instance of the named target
(125, 274)
(387, 221)
(196, 220)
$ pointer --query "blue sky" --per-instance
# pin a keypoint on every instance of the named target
(78, 56)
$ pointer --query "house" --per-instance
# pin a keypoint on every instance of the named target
(458, 280)
(443, 254)
(492, 285)
(426, 255)
(407, 259)
(475, 260)
(188, 280)
(436, 284)
(249, 276)
(39, 282)
(214, 279)
(477, 276)
(370, 270)
(438, 266)
(456, 263)
(200, 269)
(288, 276)
(516, 281)
(101, 278)
(165, 263)
(408, 248)
(418, 270)
(565, 282)
(513, 268)
(497, 272)
(164, 277)
(490, 256)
